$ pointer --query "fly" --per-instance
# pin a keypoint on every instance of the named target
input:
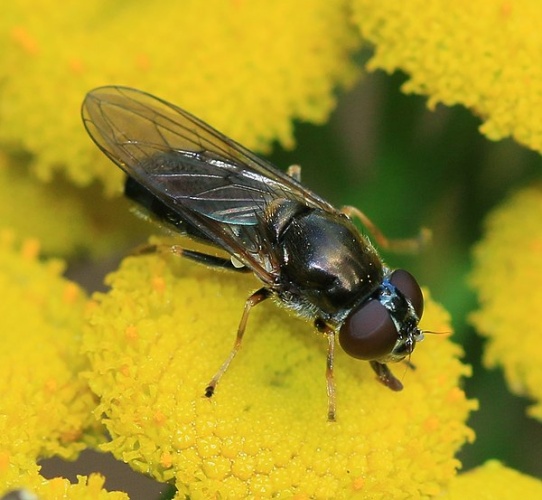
(305, 252)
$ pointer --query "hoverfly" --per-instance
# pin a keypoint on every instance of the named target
(307, 254)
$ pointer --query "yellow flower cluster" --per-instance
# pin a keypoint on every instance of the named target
(249, 68)
(493, 480)
(141, 361)
(45, 408)
(484, 55)
(86, 488)
(63, 218)
(508, 264)
(164, 329)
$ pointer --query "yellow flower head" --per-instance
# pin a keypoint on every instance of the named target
(64, 219)
(45, 408)
(86, 488)
(164, 329)
(249, 68)
(493, 480)
(484, 55)
(508, 264)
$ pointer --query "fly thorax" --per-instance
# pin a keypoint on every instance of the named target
(326, 259)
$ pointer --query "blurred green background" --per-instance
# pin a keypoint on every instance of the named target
(406, 167)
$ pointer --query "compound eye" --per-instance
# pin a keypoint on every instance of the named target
(408, 286)
(368, 332)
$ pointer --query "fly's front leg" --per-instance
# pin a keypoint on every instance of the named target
(409, 363)
(409, 245)
(385, 376)
(254, 299)
(330, 379)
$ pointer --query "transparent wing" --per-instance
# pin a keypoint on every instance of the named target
(212, 182)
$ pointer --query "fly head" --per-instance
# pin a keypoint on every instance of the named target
(385, 326)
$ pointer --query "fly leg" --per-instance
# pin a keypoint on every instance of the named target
(385, 376)
(322, 327)
(294, 171)
(408, 245)
(254, 299)
(203, 258)
(409, 363)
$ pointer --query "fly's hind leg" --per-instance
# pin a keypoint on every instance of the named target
(231, 264)
(408, 245)
(254, 299)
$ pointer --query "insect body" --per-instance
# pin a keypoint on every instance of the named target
(305, 252)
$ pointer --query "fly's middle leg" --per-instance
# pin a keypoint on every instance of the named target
(322, 327)
(294, 171)
(254, 299)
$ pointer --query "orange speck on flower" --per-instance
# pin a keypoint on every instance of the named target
(506, 9)
(455, 394)
(90, 306)
(166, 459)
(131, 333)
(51, 385)
(160, 417)
(4, 460)
(358, 483)
(28, 43)
(536, 245)
(158, 284)
(143, 61)
(71, 294)
(432, 423)
(76, 66)
(30, 249)
(125, 370)
(70, 436)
